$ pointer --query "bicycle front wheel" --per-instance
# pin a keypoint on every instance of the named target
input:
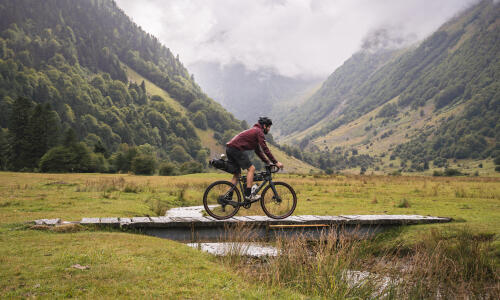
(281, 204)
(221, 200)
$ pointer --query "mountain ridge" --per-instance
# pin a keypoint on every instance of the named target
(453, 73)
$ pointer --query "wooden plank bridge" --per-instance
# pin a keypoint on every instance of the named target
(195, 229)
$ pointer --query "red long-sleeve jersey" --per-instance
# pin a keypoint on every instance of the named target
(253, 139)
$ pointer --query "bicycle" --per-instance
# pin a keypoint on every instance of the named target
(278, 199)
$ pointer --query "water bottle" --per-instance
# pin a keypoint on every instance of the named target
(254, 188)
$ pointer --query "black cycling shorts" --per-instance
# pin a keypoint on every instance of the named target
(239, 158)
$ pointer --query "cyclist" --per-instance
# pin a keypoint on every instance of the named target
(250, 139)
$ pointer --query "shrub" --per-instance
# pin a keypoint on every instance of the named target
(452, 172)
(440, 162)
(362, 171)
(74, 158)
(403, 204)
(143, 164)
(167, 169)
(179, 154)
(57, 159)
(388, 110)
(191, 167)
(438, 173)
(98, 163)
(200, 121)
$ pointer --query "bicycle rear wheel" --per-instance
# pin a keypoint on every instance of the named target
(279, 205)
(219, 202)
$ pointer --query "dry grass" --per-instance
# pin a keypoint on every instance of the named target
(445, 264)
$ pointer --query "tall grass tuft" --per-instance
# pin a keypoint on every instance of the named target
(452, 264)
(236, 240)
(404, 203)
(323, 268)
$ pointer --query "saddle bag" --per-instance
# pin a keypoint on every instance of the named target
(223, 165)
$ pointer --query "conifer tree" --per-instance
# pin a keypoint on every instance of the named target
(19, 136)
(4, 146)
(43, 132)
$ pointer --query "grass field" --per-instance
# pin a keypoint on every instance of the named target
(39, 262)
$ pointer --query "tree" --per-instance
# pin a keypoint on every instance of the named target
(43, 132)
(4, 147)
(201, 157)
(362, 170)
(19, 134)
(143, 164)
(122, 159)
(72, 156)
(99, 148)
(57, 159)
(179, 154)
(167, 169)
(191, 167)
(143, 87)
(200, 121)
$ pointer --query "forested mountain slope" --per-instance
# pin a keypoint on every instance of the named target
(438, 100)
(73, 56)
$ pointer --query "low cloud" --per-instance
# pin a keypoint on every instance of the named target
(294, 37)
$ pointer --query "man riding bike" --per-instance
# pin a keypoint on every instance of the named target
(251, 139)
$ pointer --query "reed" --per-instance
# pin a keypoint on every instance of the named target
(446, 264)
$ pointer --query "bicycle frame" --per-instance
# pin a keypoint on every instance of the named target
(267, 179)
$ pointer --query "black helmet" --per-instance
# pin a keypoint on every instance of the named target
(265, 121)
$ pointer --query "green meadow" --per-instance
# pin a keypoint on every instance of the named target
(39, 262)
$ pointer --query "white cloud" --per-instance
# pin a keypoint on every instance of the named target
(296, 37)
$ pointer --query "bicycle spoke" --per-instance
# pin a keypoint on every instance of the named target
(219, 202)
(279, 205)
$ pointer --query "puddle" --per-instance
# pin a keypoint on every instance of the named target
(243, 249)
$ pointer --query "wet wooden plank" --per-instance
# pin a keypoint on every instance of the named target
(181, 219)
(90, 221)
(141, 220)
(309, 217)
(242, 219)
(110, 221)
(295, 219)
(125, 221)
(257, 220)
(190, 219)
(197, 219)
(157, 220)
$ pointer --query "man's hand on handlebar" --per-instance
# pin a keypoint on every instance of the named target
(279, 165)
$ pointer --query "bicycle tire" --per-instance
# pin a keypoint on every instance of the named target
(285, 208)
(211, 196)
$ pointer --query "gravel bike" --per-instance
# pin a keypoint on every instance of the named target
(222, 199)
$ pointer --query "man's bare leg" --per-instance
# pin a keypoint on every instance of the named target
(235, 178)
(251, 171)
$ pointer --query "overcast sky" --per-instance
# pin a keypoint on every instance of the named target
(295, 37)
